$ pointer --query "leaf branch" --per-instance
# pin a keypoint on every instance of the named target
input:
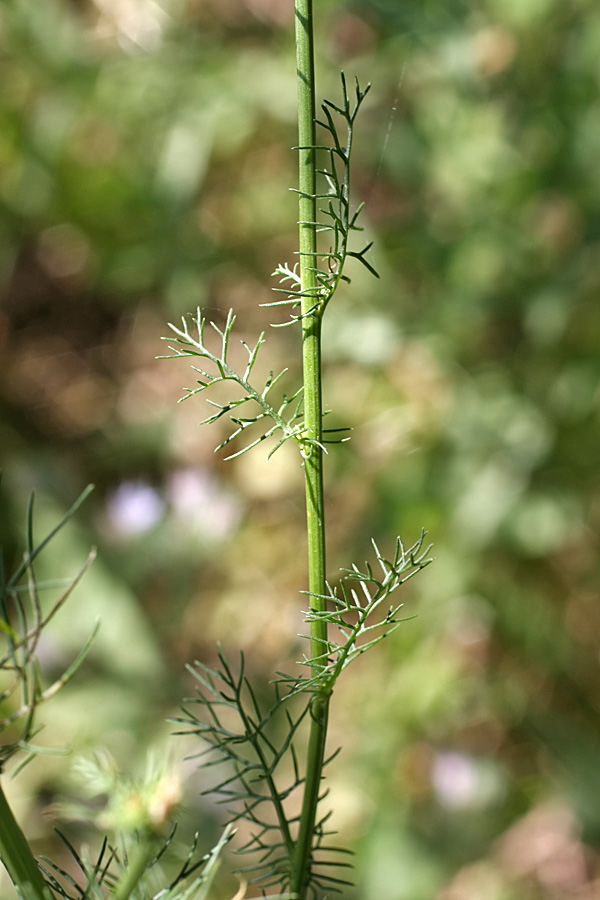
(355, 609)
(285, 419)
(338, 219)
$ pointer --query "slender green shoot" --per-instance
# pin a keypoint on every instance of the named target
(267, 782)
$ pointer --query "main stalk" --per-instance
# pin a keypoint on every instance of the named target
(313, 417)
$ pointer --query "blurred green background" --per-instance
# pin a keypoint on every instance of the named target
(145, 161)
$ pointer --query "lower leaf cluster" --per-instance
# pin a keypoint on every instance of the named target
(263, 776)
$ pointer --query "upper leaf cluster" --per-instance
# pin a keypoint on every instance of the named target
(338, 220)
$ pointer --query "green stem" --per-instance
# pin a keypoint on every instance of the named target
(312, 789)
(273, 792)
(313, 415)
(311, 317)
(137, 866)
(17, 857)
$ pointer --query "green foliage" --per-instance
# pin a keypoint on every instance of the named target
(338, 219)
(22, 622)
(137, 813)
(255, 755)
(128, 872)
(258, 745)
(350, 611)
(257, 750)
(278, 423)
(144, 172)
(290, 847)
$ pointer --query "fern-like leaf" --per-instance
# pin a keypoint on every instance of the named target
(22, 621)
(283, 420)
(338, 219)
(356, 611)
(100, 879)
(257, 748)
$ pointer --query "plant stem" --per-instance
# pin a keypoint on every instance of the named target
(313, 414)
(311, 318)
(17, 857)
(137, 866)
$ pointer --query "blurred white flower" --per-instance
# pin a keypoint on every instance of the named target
(137, 24)
(461, 781)
(454, 778)
(203, 504)
(133, 508)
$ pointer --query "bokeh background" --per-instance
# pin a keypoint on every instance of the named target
(145, 161)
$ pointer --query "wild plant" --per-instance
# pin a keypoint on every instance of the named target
(273, 755)
(129, 865)
(267, 782)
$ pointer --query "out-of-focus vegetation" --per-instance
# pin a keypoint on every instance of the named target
(145, 159)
